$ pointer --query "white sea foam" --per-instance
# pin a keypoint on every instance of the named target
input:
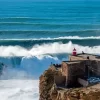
(63, 48)
(46, 49)
(18, 83)
(57, 38)
(79, 38)
(19, 90)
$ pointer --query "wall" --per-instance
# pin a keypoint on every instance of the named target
(64, 70)
(76, 70)
(73, 71)
(60, 80)
(73, 58)
(98, 68)
(83, 69)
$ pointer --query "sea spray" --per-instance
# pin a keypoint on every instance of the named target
(49, 48)
(26, 67)
(19, 89)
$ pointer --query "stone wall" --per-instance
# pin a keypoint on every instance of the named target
(79, 69)
(73, 71)
(75, 58)
(64, 69)
(98, 68)
(95, 67)
(82, 57)
(60, 80)
(94, 64)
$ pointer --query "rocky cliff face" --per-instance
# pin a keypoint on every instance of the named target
(49, 90)
(77, 94)
(46, 83)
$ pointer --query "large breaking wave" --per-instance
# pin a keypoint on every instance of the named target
(49, 48)
(25, 63)
(28, 67)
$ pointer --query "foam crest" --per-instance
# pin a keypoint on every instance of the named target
(13, 51)
(62, 48)
(58, 38)
(79, 38)
(46, 49)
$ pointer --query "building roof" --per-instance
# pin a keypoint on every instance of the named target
(72, 62)
(91, 56)
(84, 57)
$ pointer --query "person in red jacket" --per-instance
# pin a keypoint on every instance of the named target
(74, 52)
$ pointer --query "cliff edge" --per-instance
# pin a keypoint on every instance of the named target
(49, 90)
(76, 79)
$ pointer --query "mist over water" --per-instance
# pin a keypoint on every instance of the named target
(35, 34)
(19, 89)
(19, 80)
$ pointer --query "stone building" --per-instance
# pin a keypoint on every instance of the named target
(77, 70)
(92, 61)
(80, 66)
(72, 70)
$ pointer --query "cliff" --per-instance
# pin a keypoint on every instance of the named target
(47, 83)
(76, 79)
(50, 91)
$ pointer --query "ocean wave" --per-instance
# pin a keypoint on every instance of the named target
(26, 67)
(29, 43)
(71, 38)
(53, 33)
(29, 63)
(49, 24)
(67, 31)
(44, 18)
(49, 48)
(58, 38)
(46, 33)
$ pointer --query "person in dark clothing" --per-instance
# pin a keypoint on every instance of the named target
(87, 57)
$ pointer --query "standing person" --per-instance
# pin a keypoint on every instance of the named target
(74, 52)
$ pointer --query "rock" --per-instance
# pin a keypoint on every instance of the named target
(49, 91)
(46, 84)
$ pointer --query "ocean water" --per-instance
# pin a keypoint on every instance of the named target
(35, 34)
